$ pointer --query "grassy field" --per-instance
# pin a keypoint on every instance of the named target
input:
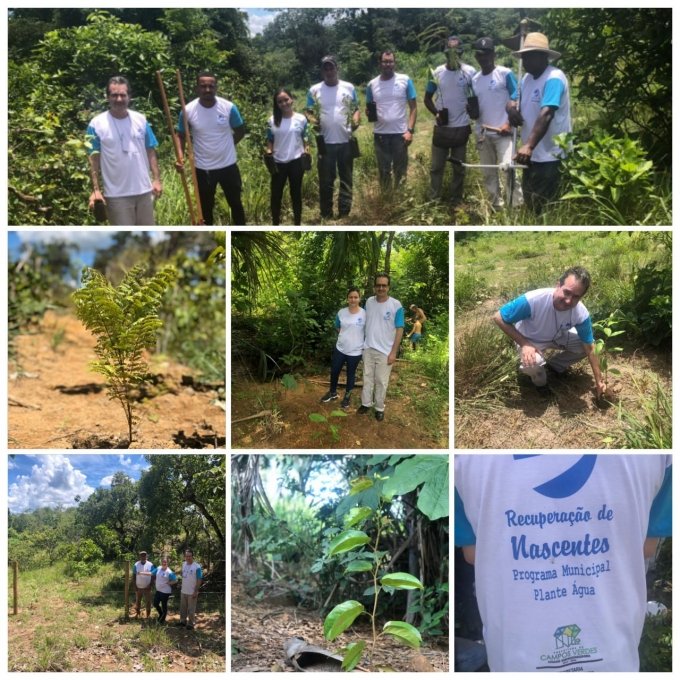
(64, 625)
(495, 406)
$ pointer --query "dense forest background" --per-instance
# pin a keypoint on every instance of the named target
(618, 62)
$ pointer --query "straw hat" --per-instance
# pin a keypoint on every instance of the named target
(537, 42)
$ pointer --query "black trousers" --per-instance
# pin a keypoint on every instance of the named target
(291, 172)
(160, 602)
(229, 179)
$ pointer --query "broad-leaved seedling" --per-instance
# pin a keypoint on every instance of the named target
(369, 559)
(124, 320)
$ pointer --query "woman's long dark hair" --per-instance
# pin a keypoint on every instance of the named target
(277, 111)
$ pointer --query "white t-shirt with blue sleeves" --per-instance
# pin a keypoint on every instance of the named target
(382, 321)
(559, 565)
(451, 92)
(535, 317)
(493, 91)
(352, 329)
(212, 132)
(122, 144)
(391, 98)
(337, 104)
(164, 577)
(551, 89)
(190, 574)
(289, 137)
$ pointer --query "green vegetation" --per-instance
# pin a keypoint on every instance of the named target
(78, 623)
(125, 321)
(60, 60)
(629, 301)
(347, 549)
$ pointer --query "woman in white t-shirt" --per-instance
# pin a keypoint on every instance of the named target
(350, 323)
(165, 578)
(288, 143)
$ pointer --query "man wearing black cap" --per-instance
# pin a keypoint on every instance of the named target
(544, 112)
(446, 98)
(494, 86)
(333, 108)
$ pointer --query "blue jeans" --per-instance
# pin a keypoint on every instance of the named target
(391, 153)
(336, 161)
(338, 359)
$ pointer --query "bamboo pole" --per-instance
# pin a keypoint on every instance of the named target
(190, 148)
(15, 586)
(178, 148)
(127, 591)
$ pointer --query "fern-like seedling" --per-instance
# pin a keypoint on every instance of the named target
(124, 320)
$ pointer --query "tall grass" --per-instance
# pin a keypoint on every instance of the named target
(652, 427)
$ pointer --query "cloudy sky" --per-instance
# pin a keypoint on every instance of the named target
(258, 19)
(51, 480)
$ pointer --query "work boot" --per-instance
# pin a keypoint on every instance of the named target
(363, 410)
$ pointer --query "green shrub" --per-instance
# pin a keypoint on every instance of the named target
(469, 289)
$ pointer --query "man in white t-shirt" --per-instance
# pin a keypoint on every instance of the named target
(544, 112)
(387, 98)
(552, 318)
(494, 87)
(446, 98)
(384, 330)
(192, 577)
(122, 148)
(216, 128)
(142, 572)
(335, 103)
(559, 544)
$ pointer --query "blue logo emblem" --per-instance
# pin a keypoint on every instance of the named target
(568, 482)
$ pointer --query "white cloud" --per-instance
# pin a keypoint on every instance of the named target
(106, 481)
(258, 22)
(53, 482)
(84, 239)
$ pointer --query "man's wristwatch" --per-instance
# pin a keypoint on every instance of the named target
(411, 130)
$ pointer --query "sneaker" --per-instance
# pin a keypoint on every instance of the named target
(363, 410)
(380, 416)
(329, 396)
(346, 399)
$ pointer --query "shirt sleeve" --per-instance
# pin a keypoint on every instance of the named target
(369, 94)
(173, 577)
(270, 132)
(552, 93)
(180, 123)
(93, 139)
(516, 310)
(305, 131)
(355, 99)
(585, 331)
(150, 140)
(462, 530)
(511, 85)
(134, 570)
(431, 86)
(661, 514)
(399, 318)
(235, 119)
(336, 323)
(410, 90)
(199, 573)
(310, 99)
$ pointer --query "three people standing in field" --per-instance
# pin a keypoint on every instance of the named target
(122, 145)
(145, 573)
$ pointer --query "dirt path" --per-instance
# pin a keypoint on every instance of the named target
(55, 401)
(286, 422)
(260, 629)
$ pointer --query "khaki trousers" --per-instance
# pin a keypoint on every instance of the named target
(187, 608)
(376, 377)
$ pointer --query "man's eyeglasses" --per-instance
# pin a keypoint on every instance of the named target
(381, 285)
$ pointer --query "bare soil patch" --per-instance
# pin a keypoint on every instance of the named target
(55, 401)
(286, 425)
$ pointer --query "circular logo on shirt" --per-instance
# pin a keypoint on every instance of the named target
(567, 483)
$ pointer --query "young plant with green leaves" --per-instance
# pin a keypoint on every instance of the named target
(372, 560)
(333, 429)
(124, 320)
(602, 347)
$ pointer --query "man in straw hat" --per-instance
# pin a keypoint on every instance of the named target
(544, 112)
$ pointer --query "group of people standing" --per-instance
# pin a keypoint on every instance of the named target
(372, 333)
(122, 144)
(145, 575)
